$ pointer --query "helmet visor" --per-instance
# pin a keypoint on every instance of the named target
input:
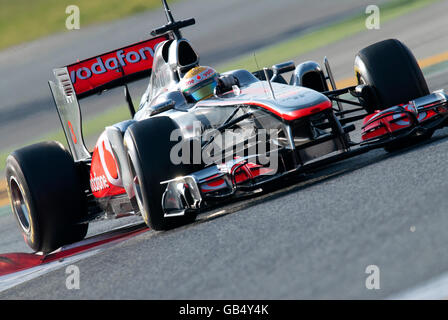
(204, 90)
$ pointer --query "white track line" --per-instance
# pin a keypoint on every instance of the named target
(11, 280)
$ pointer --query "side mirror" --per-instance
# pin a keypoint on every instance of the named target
(280, 68)
(283, 67)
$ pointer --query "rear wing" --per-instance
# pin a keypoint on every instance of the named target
(85, 78)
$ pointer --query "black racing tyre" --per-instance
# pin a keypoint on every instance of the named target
(46, 196)
(391, 69)
(149, 146)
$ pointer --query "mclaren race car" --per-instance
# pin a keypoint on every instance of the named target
(199, 138)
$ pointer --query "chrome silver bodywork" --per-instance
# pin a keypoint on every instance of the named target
(69, 113)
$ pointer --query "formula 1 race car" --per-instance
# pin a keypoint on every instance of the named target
(186, 149)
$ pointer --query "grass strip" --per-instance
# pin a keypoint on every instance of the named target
(26, 20)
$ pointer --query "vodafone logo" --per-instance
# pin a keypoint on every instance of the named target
(208, 73)
(101, 66)
(95, 72)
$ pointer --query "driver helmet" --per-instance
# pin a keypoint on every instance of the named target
(199, 83)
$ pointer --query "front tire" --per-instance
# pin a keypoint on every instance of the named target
(46, 196)
(390, 68)
(392, 71)
(149, 146)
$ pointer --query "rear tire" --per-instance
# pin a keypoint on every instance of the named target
(46, 196)
(149, 146)
(391, 69)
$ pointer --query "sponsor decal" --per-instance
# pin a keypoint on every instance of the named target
(105, 179)
(98, 183)
(92, 73)
(107, 160)
(197, 75)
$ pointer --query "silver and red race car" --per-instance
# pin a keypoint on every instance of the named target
(176, 157)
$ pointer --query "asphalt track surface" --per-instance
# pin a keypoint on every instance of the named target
(312, 239)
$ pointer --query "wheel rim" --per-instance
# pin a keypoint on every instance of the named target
(20, 207)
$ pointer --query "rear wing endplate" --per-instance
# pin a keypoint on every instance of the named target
(69, 114)
(94, 75)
